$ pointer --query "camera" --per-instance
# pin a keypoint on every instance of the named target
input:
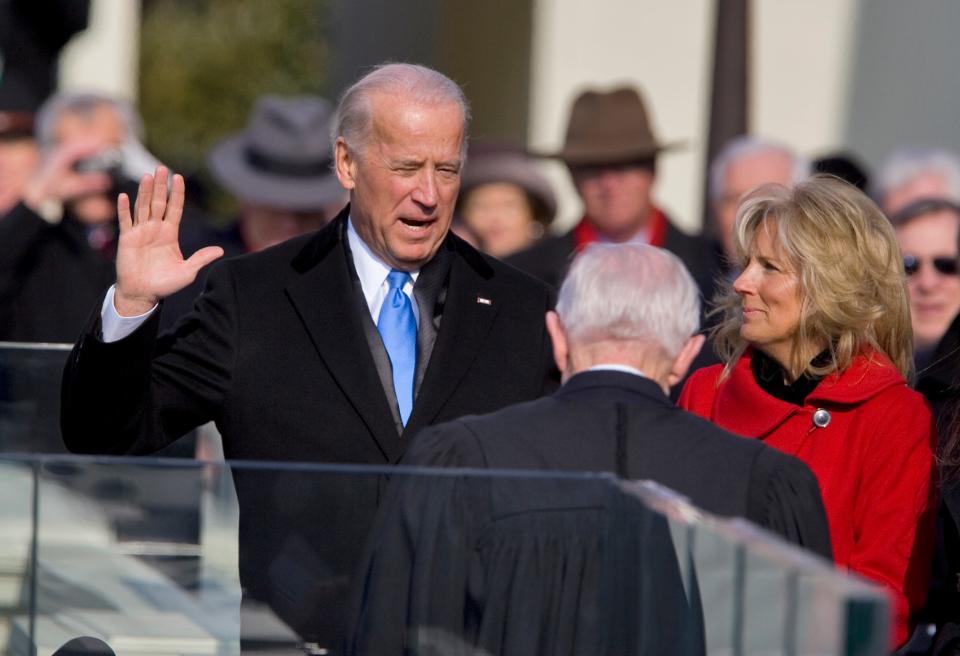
(109, 161)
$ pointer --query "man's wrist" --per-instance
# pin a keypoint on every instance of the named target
(132, 307)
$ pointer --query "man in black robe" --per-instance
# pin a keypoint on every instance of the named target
(624, 331)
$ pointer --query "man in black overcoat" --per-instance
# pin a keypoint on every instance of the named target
(311, 351)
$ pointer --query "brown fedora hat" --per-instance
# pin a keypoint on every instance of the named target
(609, 127)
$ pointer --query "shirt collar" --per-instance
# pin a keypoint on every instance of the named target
(618, 367)
(371, 270)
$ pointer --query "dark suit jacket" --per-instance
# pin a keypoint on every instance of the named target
(577, 428)
(550, 258)
(278, 353)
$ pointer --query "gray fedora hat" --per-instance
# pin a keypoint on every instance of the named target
(283, 158)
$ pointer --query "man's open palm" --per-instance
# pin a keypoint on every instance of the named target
(150, 265)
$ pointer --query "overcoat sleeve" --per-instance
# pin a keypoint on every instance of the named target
(139, 394)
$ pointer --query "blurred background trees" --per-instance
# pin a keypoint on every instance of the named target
(203, 63)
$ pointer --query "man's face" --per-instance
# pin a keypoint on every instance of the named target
(103, 124)
(616, 199)
(404, 185)
(934, 295)
(741, 176)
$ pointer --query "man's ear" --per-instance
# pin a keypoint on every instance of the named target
(559, 339)
(688, 353)
(346, 164)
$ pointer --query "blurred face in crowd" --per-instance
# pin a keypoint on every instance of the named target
(500, 217)
(929, 246)
(926, 185)
(616, 199)
(18, 160)
(101, 124)
(262, 226)
(742, 175)
(769, 287)
(404, 184)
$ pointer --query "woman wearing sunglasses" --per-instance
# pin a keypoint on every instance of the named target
(815, 337)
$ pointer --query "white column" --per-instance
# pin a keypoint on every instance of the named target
(802, 55)
(104, 58)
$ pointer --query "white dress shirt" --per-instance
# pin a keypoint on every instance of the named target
(371, 270)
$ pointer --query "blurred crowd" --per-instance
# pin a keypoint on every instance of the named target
(873, 251)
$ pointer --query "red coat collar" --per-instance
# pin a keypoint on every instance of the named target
(743, 407)
(585, 232)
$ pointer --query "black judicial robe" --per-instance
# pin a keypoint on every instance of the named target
(464, 562)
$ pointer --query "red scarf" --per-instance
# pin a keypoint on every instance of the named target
(585, 233)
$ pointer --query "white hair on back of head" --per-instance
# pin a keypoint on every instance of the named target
(904, 165)
(353, 119)
(629, 292)
(744, 146)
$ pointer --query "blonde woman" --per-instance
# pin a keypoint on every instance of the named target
(816, 342)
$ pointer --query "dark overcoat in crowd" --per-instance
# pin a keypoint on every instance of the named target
(940, 384)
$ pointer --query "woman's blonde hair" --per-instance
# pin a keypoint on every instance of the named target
(852, 284)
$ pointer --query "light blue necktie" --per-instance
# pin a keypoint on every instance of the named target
(398, 329)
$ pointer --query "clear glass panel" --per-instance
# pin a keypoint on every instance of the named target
(761, 595)
(30, 397)
(147, 555)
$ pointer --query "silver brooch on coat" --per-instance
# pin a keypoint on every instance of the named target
(821, 418)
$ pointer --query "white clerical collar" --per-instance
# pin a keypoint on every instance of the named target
(642, 237)
(371, 270)
(618, 367)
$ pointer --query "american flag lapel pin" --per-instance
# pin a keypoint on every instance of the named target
(484, 301)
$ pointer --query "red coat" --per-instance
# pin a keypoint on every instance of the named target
(874, 461)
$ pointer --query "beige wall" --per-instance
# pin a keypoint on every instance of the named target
(802, 58)
(104, 58)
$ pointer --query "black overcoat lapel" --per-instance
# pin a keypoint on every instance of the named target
(470, 308)
(321, 290)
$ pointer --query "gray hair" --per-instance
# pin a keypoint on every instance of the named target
(744, 146)
(906, 164)
(83, 103)
(629, 292)
(353, 119)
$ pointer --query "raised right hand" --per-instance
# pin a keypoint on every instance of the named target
(150, 265)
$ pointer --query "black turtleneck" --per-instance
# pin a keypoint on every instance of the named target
(770, 376)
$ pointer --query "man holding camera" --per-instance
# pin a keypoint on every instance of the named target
(57, 246)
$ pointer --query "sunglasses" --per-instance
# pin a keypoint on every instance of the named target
(944, 265)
